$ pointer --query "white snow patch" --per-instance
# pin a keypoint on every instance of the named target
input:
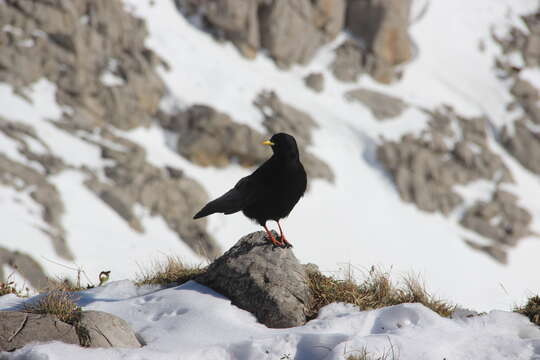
(532, 75)
(192, 322)
(108, 76)
(377, 228)
(36, 113)
(102, 237)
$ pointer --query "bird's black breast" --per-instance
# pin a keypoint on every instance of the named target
(282, 183)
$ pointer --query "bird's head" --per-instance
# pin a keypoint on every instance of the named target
(283, 145)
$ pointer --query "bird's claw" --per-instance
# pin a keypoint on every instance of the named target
(286, 244)
(282, 246)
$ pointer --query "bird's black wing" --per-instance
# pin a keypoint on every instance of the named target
(244, 193)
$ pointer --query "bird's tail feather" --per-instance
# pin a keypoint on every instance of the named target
(205, 211)
(229, 203)
(221, 205)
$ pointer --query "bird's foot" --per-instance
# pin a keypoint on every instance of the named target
(274, 241)
(286, 244)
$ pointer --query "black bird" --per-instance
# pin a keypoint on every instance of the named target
(271, 192)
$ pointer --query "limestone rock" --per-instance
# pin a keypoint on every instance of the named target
(104, 330)
(287, 32)
(315, 81)
(383, 26)
(25, 265)
(211, 138)
(349, 62)
(262, 279)
(382, 106)
(18, 329)
(168, 193)
(500, 219)
(99, 39)
(528, 97)
(496, 252)
(291, 31)
(521, 138)
(239, 22)
(531, 48)
(282, 117)
(24, 177)
(524, 145)
(426, 170)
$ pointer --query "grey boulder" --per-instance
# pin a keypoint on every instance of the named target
(105, 330)
(19, 328)
(381, 105)
(265, 280)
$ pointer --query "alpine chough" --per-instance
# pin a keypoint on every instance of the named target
(271, 192)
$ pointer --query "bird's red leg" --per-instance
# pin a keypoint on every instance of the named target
(282, 236)
(272, 238)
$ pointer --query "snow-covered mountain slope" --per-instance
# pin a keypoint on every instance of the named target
(193, 322)
(361, 221)
(357, 222)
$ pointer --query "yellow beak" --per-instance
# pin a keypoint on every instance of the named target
(268, 142)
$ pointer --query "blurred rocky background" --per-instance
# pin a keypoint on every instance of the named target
(107, 83)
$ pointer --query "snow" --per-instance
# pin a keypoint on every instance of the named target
(95, 233)
(111, 236)
(532, 75)
(191, 322)
(108, 77)
(41, 107)
(357, 222)
(360, 220)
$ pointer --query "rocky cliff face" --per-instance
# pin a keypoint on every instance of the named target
(108, 82)
(522, 138)
(453, 151)
(292, 31)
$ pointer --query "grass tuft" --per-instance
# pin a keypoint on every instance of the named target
(375, 291)
(363, 354)
(57, 302)
(9, 287)
(173, 271)
(531, 309)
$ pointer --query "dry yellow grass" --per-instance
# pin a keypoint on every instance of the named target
(363, 354)
(531, 309)
(172, 271)
(57, 302)
(375, 291)
(8, 287)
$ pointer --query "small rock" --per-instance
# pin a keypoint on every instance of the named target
(265, 280)
(382, 106)
(349, 61)
(315, 81)
(104, 330)
(494, 251)
(19, 328)
(524, 145)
